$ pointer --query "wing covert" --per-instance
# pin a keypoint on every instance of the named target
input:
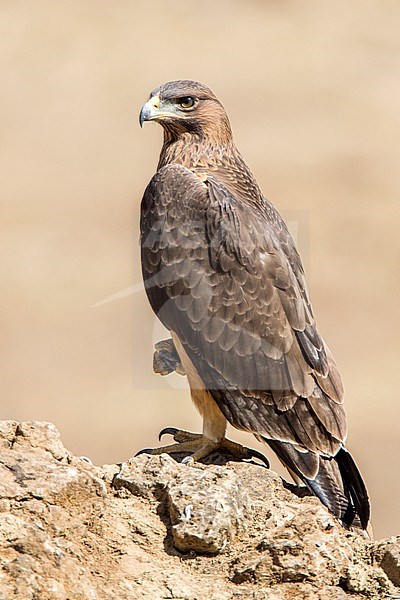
(226, 278)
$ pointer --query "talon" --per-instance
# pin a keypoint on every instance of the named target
(167, 430)
(199, 446)
(144, 451)
(256, 454)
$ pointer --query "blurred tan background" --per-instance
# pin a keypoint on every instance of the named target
(312, 89)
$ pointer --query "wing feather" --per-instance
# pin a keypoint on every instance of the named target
(225, 276)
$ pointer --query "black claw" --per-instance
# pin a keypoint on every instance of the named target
(167, 430)
(256, 454)
(144, 451)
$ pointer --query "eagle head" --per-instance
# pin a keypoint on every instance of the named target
(187, 107)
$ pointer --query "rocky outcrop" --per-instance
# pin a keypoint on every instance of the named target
(153, 528)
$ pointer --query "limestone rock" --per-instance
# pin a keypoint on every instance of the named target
(206, 505)
(153, 528)
(387, 556)
(307, 547)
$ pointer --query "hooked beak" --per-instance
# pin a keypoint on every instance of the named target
(149, 110)
(156, 110)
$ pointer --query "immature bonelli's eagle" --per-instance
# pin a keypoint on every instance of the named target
(223, 275)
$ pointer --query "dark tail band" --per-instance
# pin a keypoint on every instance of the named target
(337, 483)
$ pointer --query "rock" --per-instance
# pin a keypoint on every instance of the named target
(154, 528)
(307, 547)
(387, 556)
(145, 475)
(206, 505)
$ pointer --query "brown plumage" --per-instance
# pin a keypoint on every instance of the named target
(223, 275)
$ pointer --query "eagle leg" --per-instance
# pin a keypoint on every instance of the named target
(166, 359)
(200, 446)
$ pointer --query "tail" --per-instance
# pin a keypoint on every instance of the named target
(336, 481)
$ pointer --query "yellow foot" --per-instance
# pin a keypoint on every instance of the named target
(200, 446)
(166, 359)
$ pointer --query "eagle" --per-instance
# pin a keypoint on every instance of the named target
(222, 273)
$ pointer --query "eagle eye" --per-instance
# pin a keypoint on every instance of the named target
(186, 102)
